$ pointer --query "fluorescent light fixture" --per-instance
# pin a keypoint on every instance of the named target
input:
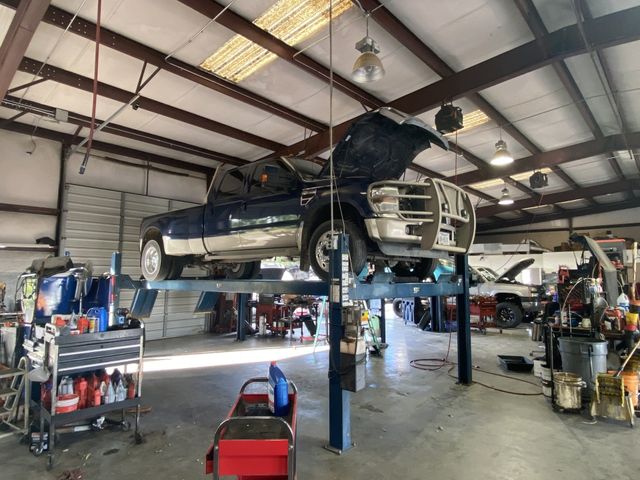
(496, 182)
(502, 156)
(471, 120)
(291, 21)
(505, 199)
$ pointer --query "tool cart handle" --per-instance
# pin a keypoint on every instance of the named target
(265, 380)
(244, 421)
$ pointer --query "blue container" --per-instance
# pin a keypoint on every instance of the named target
(102, 318)
(278, 391)
(56, 295)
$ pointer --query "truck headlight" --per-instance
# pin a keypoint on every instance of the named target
(384, 199)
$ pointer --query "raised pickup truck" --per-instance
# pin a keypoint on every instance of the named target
(281, 207)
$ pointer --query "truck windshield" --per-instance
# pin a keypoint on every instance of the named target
(308, 170)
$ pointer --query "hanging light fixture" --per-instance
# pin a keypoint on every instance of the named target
(505, 199)
(502, 156)
(367, 67)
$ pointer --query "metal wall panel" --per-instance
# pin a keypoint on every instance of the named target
(97, 222)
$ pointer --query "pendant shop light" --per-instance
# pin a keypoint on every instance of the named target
(368, 67)
(502, 156)
(505, 199)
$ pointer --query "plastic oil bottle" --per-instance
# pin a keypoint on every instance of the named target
(278, 390)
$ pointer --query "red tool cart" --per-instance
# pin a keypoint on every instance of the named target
(251, 442)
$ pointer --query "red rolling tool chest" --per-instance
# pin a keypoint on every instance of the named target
(251, 442)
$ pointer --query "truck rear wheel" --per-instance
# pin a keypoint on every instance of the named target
(154, 263)
(320, 247)
(243, 271)
(508, 315)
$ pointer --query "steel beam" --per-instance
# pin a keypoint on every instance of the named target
(84, 121)
(86, 29)
(566, 196)
(31, 209)
(606, 31)
(536, 25)
(106, 147)
(578, 212)
(18, 37)
(249, 30)
(74, 80)
(558, 156)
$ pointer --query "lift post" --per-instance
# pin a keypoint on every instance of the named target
(339, 399)
(464, 321)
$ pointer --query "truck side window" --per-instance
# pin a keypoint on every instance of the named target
(272, 178)
(232, 184)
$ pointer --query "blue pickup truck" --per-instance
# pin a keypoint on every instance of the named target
(282, 207)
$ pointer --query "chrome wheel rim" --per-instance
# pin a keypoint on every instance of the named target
(323, 247)
(151, 258)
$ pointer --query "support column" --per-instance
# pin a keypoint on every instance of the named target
(437, 323)
(339, 399)
(115, 270)
(242, 316)
(383, 322)
(464, 322)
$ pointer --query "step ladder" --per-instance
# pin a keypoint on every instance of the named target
(13, 384)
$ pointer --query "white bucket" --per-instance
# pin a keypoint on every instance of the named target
(537, 367)
(547, 389)
(545, 373)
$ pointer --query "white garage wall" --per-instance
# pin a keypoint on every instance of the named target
(32, 179)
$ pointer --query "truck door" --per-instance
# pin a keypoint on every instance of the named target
(221, 229)
(272, 212)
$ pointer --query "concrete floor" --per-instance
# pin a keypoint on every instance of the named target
(407, 424)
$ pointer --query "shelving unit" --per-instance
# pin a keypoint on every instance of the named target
(73, 354)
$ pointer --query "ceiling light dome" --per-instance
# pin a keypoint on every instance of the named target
(505, 199)
(502, 156)
(367, 67)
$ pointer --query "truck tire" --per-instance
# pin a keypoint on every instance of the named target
(397, 307)
(154, 263)
(421, 270)
(320, 243)
(508, 315)
(243, 271)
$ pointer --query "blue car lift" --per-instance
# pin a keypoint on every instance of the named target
(340, 294)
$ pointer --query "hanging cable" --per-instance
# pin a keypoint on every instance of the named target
(94, 99)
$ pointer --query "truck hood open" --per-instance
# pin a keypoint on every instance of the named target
(381, 145)
(511, 273)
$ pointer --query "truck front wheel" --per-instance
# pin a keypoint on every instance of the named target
(154, 263)
(320, 247)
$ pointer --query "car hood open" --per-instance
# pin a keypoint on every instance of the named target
(511, 273)
(381, 145)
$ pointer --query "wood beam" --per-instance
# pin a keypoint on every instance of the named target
(86, 29)
(18, 37)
